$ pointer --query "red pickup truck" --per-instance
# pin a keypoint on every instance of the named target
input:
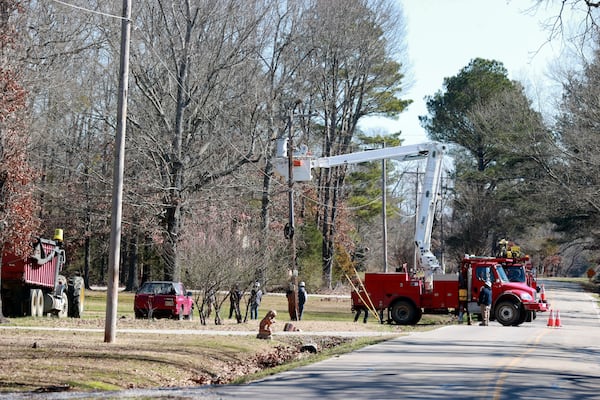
(163, 299)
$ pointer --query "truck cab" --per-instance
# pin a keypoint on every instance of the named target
(512, 302)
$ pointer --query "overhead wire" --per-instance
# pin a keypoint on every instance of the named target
(89, 10)
(226, 139)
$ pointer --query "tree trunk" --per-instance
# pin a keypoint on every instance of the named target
(86, 261)
(3, 319)
(132, 276)
(172, 269)
(326, 229)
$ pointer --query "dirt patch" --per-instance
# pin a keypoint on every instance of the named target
(281, 354)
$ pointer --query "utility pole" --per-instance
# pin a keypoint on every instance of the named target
(290, 228)
(416, 257)
(291, 223)
(110, 326)
(383, 213)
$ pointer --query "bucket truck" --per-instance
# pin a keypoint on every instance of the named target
(406, 297)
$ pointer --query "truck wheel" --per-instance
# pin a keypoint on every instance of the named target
(418, 316)
(508, 313)
(403, 312)
(76, 293)
(36, 303)
(64, 311)
(32, 303)
(76, 307)
(522, 316)
(40, 303)
(530, 316)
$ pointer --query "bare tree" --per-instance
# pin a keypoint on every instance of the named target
(585, 10)
(69, 71)
(213, 85)
(572, 178)
(193, 108)
(352, 73)
(217, 257)
(282, 55)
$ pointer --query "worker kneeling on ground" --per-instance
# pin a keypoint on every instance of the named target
(264, 328)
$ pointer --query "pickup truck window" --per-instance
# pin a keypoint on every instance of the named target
(157, 288)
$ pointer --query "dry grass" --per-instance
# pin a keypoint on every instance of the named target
(165, 353)
(83, 361)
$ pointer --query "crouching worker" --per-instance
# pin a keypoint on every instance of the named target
(264, 328)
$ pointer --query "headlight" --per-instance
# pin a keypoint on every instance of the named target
(526, 296)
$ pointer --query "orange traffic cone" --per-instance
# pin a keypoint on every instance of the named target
(557, 319)
(543, 294)
(551, 321)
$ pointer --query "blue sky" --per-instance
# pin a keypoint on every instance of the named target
(443, 36)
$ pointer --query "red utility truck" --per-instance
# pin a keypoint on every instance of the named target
(34, 286)
(404, 299)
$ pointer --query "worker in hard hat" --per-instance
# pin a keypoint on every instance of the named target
(485, 302)
(301, 299)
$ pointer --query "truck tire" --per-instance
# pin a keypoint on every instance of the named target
(530, 316)
(76, 293)
(509, 313)
(36, 303)
(522, 316)
(76, 307)
(418, 316)
(403, 312)
(64, 311)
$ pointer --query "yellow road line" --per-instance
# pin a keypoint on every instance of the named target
(503, 370)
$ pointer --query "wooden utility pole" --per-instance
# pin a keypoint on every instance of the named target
(384, 213)
(110, 326)
(293, 301)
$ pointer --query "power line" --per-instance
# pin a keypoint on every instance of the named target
(89, 10)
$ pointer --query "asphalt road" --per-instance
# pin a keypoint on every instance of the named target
(532, 361)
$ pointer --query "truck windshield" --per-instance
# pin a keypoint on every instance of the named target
(515, 273)
(501, 273)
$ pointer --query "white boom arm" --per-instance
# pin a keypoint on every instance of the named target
(432, 151)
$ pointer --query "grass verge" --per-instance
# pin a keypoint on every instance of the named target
(51, 354)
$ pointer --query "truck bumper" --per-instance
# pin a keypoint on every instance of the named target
(539, 307)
